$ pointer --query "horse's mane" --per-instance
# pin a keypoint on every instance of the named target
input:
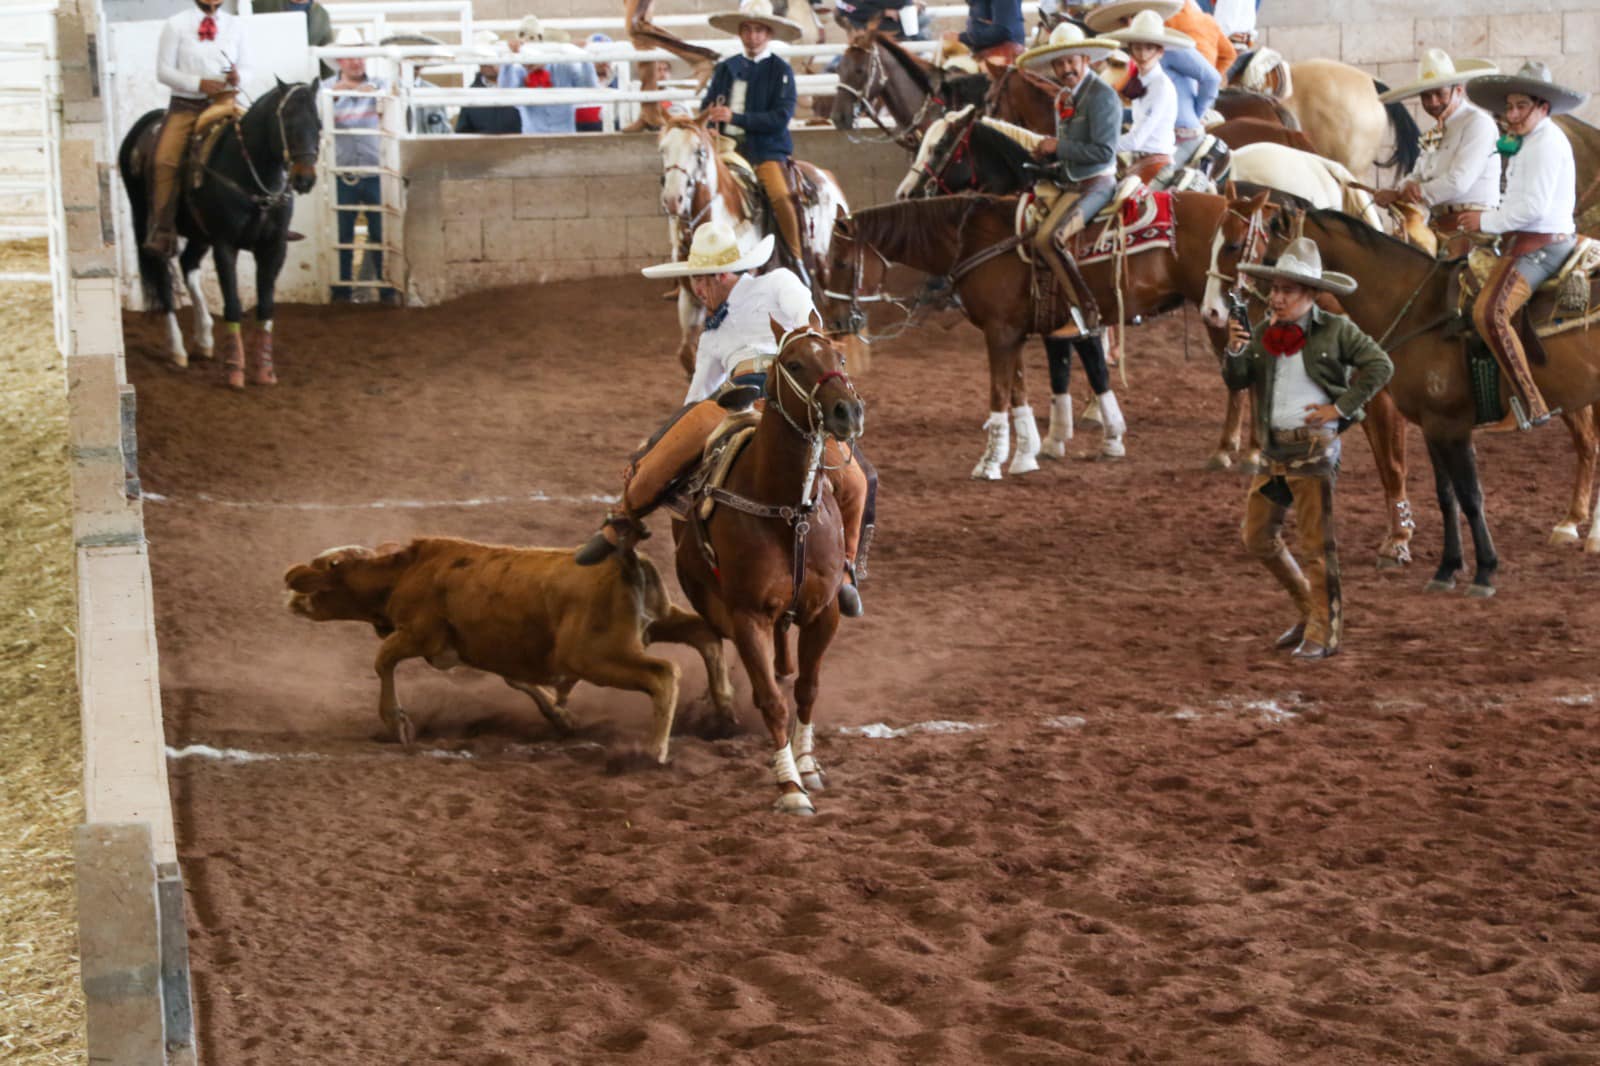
(1374, 240)
(1020, 136)
(916, 229)
(906, 60)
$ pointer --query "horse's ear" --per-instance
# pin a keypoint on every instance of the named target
(1230, 190)
(777, 330)
(872, 23)
(816, 320)
(278, 80)
(1259, 200)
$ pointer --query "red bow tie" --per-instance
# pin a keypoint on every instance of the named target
(1283, 338)
(538, 79)
(208, 29)
(1134, 88)
(1065, 111)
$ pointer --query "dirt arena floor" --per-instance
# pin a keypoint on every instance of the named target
(1150, 839)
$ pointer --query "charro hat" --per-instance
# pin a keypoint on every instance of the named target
(715, 250)
(349, 37)
(756, 11)
(1110, 16)
(1147, 28)
(1490, 91)
(1067, 39)
(1301, 263)
(1437, 70)
(531, 29)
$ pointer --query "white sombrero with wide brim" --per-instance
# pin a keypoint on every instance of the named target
(1110, 16)
(531, 29)
(1301, 263)
(1147, 28)
(1436, 71)
(715, 250)
(1067, 40)
(755, 11)
(1534, 79)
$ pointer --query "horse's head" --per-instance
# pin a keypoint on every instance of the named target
(943, 163)
(808, 385)
(861, 77)
(299, 131)
(686, 163)
(1241, 237)
(856, 274)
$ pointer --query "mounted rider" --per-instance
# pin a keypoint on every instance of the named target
(735, 350)
(1153, 138)
(202, 57)
(752, 95)
(995, 33)
(1192, 75)
(1459, 169)
(1534, 220)
(1184, 16)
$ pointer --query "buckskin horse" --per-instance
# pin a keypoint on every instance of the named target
(1404, 301)
(771, 554)
(241, 201)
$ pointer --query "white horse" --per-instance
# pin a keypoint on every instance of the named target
(698, 186)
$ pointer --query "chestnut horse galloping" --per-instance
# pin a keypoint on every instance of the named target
(772, 552)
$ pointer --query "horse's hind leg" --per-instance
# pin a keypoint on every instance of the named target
(194, 254)
(752, 635)
(1232, 422)
(1581, 424)
(1463, 466)
(1386, 432)
(814, 641)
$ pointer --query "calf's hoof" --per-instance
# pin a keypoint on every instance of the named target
(404, 730)
(794, 803)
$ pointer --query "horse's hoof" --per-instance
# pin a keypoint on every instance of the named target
(1439, 585)
(986, 472)
(264, 376)
(1024, 464)
(235, 378)
(1565, 533)
(794, 803)
(814, 781)
(405, 731)
(1219, 461)
(1480, 592)
(1050, 448)
(179, 360)
(1396, 558)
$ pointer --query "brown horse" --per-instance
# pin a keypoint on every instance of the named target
(1404, 301)
(772, 552)
(1238, 132)
(1233, 103)
(876, 72)
(1025, 99)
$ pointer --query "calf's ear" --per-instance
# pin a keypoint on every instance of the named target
(393, 553)
(302, 579)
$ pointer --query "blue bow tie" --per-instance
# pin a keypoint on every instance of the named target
(716, 317)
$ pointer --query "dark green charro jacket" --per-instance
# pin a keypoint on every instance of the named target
(1338, 356)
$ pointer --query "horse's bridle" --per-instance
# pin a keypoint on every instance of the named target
(877, 80)
(935, 173)
(856, 318)
(265, 197)
(687, 216)
(1255, 250)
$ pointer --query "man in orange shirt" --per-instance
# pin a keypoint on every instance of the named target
(1184, 16)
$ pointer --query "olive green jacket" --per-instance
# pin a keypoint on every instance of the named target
(1338, 356)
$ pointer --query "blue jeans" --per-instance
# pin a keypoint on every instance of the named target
(1538, 266)
(366, 192)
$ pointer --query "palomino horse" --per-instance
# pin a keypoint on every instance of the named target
(1404, 301)
(1337, 106)
(875, 73)
(242, 203)
(698, 185)
(772, 553)
(1585, 140)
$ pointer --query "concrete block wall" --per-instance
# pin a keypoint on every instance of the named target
(489, 211)
(1386, 37)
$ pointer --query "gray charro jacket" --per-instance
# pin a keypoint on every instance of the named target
(1087, 140)
(1338, 356)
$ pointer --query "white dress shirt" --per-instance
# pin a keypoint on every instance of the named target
(746, 331)
(1541, 186)
(1463, 168)
(183, 59)
(1155, 115)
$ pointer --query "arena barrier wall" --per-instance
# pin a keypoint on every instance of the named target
(483, 212)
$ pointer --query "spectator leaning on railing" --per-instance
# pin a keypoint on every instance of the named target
(490, 118)
(598, 118)
(357, 190)
(546, 118)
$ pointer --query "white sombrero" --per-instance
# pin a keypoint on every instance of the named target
(1147, 28)
(1534, 79)
(1437, 70)
(531, 29)
(1110, 16)
(715, 250)
(1301, 263)
(1067, 40)
(756, 11)
(350, 37)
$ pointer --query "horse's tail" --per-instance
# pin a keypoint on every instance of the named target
(1407, 137)
(155, 276)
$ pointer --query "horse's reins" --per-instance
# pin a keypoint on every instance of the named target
(798, 516)
(264, 198)
(905, 136)
(962, 144)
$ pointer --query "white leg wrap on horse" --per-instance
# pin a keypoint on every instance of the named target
(1025, 459)
(783, 768)
(995, 449)
(1054, 445)
(804, 746)
(175, 349)
(202, 313)
(1111, 414)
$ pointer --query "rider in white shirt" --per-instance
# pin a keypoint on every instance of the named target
(1152, 138)
(743, 331)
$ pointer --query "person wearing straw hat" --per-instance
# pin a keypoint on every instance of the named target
(1152, 138)
(1310, 374)
(752, 96)
(1184, 16)
(497, 119)
(537, 72)
(1459, 169)
(735, 349)
(201, 57)
(1534, 220)
(1197, 82)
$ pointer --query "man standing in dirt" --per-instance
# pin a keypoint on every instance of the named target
(1310, 374)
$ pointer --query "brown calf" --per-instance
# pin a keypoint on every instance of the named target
(530, 615)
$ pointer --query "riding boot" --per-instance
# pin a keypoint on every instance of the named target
(1283, 567)
(1494, 314)
(775, 183)
(263, 372)
(849, 595)
(620, 530)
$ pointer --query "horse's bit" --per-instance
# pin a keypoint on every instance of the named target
(878, 79)
(694, 179)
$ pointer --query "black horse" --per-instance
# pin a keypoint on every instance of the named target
(963, 154)
(242, 203)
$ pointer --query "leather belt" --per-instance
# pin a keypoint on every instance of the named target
(1518, 243)
(1456, 209)
(1303, 435)
(752, 366)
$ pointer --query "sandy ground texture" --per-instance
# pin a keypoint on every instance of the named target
(1149, 839)
(41, 799)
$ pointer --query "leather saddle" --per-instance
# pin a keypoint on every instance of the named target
(208, 131)
(1568, 299)
(723, 447)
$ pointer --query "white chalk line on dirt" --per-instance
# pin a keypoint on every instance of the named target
(380, 505)
(239, 755)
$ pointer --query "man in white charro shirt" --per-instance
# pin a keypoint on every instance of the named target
(735, 348)
(1152, 137)
(1459, 169)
